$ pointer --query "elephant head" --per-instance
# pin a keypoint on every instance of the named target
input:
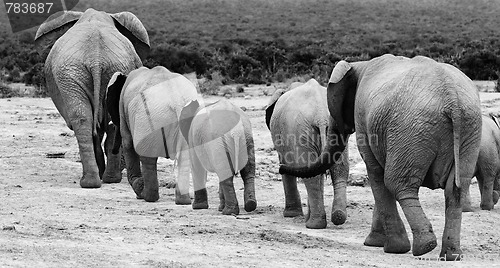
(113, 94)
(125, 22)
(341, 93)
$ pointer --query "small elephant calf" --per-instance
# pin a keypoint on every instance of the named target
(220, 139)
(488, 165)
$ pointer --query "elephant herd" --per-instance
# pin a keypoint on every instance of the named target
(417, 122)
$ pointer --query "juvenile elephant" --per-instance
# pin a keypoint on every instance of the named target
(488, 165)
(298, 120)
(146, 106)
(81, 52)
(418, 123)
(220, 139)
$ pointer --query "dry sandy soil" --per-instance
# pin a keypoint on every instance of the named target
(47, 220)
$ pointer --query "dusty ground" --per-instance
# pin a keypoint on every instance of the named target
(47, 220)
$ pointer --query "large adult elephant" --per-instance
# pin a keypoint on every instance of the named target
(83, 51)
(418, 123)
(298, 120)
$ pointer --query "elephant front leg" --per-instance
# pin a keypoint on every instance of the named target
(112, 173)
(316, 216)
(230, 201)
(450, 249)
(339, 174)
(293, 204)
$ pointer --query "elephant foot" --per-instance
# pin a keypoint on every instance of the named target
(292, 211)
(200, 199)
(339, 217)
(487, 206)
(112, 178)
(138, 187)
(250, 205)
(397, 243)
(423, 243)
(221, 206)
(151, 195)
(231, 210)
(182, 199)
(450, 254)
(496, 196)
(375, 239)
(316, 222)
(90, 181)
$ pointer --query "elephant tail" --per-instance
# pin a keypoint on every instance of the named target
(96, 77)
(456, 122)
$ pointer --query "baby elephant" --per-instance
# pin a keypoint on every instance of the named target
(220, 139)
(145, 106)
(488, 165)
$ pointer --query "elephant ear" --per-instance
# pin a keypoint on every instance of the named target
(274, 98)
(341, 92)
(113, 93)
(131, 27)
(186, 118)
(53, 28)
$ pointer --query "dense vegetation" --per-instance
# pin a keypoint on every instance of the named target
(255, 41)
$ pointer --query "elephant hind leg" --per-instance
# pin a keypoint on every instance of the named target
(404, 183)
(316, 216)
(82, 124)
(387, 228)
(230, 201)
(293, 204)
(199, 174)
(248, 176)
(150, 192)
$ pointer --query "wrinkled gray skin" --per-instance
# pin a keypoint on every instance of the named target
(82, 51)
(488, 165)
(298, 120)
(418, 123)
(149, 102)
(220, 139)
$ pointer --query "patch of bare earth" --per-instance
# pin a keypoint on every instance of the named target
(47, 220)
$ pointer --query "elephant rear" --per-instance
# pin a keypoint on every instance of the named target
(220, 134)
(298, 121)
(152, 107)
